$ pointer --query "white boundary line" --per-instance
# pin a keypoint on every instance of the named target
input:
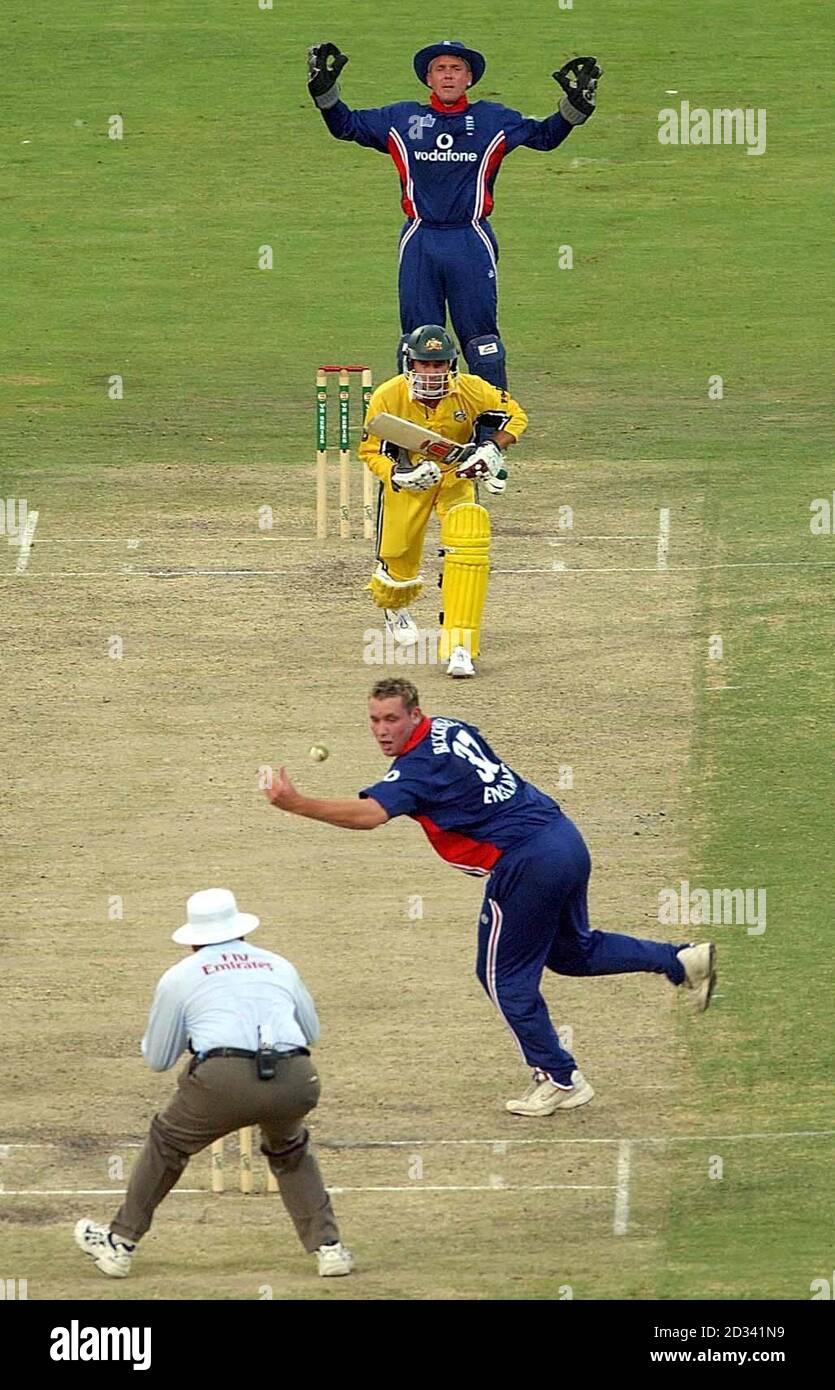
(26, 543)
(663, 538)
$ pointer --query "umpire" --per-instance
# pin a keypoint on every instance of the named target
(247, 1019)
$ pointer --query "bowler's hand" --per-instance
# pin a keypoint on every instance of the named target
(282, 793)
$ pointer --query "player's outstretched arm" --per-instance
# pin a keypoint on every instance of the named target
(369, 128)
(578, 79)
(347, 813)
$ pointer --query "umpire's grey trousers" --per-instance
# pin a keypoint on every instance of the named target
(223, 1094)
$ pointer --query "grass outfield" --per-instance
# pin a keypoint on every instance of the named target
(139, 257)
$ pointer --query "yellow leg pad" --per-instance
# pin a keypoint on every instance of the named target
(393, 593)
(465, 539)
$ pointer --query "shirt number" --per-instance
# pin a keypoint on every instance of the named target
(465, 746)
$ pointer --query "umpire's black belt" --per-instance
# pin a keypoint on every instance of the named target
(243, 1052)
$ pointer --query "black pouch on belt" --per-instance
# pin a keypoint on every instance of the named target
(265, 1063)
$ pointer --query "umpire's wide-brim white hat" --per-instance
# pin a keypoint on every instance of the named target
(213, 916)
(475, 61)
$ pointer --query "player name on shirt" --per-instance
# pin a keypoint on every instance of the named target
(471, 805)
(465, 746)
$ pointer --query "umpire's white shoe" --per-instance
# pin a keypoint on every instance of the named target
(109, 1253)
(460, 663)
(402, 626)
(334, 1260)
(543, 1097)
(699, 972)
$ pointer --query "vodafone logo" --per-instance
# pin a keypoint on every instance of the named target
(443, 151)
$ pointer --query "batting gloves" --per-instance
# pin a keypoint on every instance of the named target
(421, 478)
(485, 462)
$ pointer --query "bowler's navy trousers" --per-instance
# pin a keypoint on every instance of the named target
(535, 916)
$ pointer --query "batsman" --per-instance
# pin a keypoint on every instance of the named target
(464, 409)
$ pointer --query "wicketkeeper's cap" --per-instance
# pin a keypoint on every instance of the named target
(450, 48)
(213, 916)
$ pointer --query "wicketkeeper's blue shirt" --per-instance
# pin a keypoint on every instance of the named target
(448, 159)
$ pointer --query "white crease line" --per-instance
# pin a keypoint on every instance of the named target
(483, 1187)
(334, 1145)
(337, 1191)
(680, 569)
(128, 572)
(663, 538)
(72, 574)
(172, 538)
(564, 540)
(624, 1162)
(136, 571)
(631, 1139)
(26, 543)
(87, 1191)
(565, 570)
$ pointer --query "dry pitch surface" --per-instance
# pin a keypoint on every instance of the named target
(137, 778)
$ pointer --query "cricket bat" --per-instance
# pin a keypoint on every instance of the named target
(415, 438)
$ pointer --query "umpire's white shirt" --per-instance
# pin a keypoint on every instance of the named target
(228, 995)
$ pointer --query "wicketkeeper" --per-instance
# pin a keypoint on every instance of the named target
(462, 408)
(482, 817)
(448, 154)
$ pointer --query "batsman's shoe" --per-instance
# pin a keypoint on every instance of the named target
(460, 663)
(334, 1260)
(699, 972)
(543, 1097)
(402, 626)
(108, 1253)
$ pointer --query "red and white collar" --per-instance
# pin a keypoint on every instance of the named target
(420, 733)
(437, 105)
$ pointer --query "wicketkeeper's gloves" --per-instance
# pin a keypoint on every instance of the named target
(578, 79)
(324, 64)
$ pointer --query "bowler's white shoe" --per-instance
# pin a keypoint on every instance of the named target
(699, 972)
(402, 626)
(334, 1260)
(109, 1253)
(460, 663)
(543, 1097)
